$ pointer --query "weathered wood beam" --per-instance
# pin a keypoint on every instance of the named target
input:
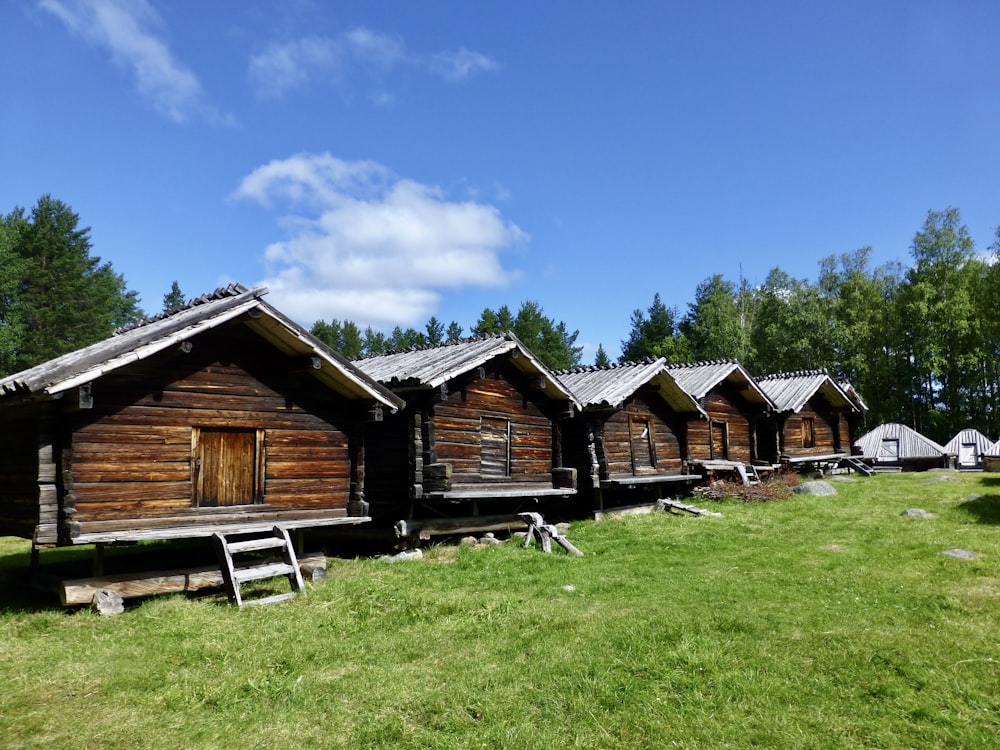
(74, 592)
(437, 477)
(424, 528)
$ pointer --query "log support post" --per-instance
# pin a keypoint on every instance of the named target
(99, 559)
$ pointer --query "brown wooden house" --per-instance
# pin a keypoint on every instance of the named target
(482, 425)
(812, 422)
(221, 415)
(734, 403)
(630, 442)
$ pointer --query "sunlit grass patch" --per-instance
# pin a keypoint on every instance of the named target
(810, 622)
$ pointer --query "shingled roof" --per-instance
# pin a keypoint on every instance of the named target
(160, 332)
(790, 391)
(698, 378)
(432, 366)
(610, 386)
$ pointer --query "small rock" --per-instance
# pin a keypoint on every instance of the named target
(940, 478)
(468, 541)
(313, 572)
(569, 587)
(406, 554)
(815, 488)
(107, 603)
(563, 528)
(972, 498)
(959, 554)
(917, 513)
(490, 540)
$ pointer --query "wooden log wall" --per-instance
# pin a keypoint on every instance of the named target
(616, 444)
(724, 406)
(826, 438)
(22, 449)
(502, 394)
(131, 454)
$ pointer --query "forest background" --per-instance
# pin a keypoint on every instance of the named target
(919, 341)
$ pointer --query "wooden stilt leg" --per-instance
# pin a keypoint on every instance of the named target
(99, 559)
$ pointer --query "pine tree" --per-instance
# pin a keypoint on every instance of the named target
(654, 334)
(174, 298)
(67, 299)
(11, 327)
(435, 331)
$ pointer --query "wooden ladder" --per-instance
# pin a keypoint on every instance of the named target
(748, 473)
(859, 466)
(238, 568)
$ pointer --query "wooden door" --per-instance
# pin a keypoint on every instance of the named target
(808, 432)
(967, 455)
(720, 440)
(641, 439)
(494, 460)
(889, 448)
(227, 467)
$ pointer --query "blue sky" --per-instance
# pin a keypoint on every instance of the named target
(389, 161)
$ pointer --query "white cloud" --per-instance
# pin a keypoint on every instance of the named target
(460, 65)
(369, 246)
(295, 65)
(126, 28)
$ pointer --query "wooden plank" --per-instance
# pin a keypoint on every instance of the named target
(186, 527)
(426, 527)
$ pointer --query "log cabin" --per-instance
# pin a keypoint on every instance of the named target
(895, 446)
(221, 415)
(812, 421)
(629, 444)
(482, 426)
(968, 449)
(726, 442)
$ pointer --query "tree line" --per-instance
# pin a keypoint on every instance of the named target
(549, 340)
(919, 342)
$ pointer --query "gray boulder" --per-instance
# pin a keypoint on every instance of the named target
(107, 602)
(917, 513)
(818, 487)
(959, 554)
(406, 554)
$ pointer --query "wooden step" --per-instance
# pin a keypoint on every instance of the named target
(251, 568)
(859, 466)
(273, 599)
(260, 572)
(255, 545)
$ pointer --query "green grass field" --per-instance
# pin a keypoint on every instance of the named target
(815, 622)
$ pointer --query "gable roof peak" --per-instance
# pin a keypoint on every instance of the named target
(795, 374)
(433, 347)
(607, 367)
(222, 292)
